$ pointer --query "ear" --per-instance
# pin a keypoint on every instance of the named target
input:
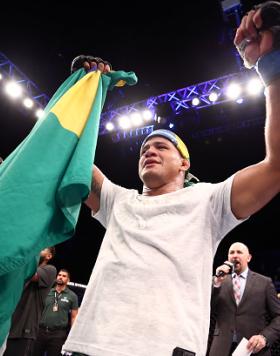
(185, 164)
(49, 256)
(249, 258)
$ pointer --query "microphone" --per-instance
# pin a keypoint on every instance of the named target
(231, 269)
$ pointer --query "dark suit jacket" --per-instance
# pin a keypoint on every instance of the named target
(258, 304)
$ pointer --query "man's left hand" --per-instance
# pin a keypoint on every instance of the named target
(256, 343)
(250, 41)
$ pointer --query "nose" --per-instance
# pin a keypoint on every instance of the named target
(151, 151)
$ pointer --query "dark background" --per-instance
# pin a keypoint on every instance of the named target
(169, 47)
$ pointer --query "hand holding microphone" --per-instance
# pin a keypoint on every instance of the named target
(226, 268)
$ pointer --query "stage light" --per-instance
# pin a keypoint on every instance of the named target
(124, 122)
(195, 101)
(13, 89)
(136, 119)
(254, 86)
(110, 126)
(1, 76)
(147, 115)
(213, 97)
(233, 91)
(28, 103)
(240, 101)
(39, 113)
(171, 125)
(163, 107)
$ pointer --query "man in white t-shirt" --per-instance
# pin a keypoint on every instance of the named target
(149, 293)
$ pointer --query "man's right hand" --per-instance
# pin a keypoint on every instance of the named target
(90, 63)
(219, 278)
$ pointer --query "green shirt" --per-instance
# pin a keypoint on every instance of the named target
(58, 318)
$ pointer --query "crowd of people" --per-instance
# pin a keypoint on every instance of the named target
(143, 298)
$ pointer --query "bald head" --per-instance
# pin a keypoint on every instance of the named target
(240, 246)
(239, 254)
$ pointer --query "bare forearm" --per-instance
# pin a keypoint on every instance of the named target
(93, 201)
(97, 180)
(73, 316)
(272, 129)
(248, 193)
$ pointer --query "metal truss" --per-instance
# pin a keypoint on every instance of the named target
(133, 133)
(179, 100)
(175, 102)
(10, 71)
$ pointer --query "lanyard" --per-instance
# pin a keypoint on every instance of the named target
(56, 297)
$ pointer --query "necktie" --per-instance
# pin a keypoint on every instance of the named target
(237, 289)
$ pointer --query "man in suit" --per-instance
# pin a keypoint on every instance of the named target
(242, 302)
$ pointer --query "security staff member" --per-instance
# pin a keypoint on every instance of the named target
(54, 325)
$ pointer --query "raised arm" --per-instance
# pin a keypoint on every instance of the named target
(88, 63)
(254, 186)
(93, 201)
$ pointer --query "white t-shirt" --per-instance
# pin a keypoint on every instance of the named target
(150, 289)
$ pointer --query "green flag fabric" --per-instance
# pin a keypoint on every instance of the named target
(46, 178)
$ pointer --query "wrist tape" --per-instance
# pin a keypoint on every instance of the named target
(268, 67)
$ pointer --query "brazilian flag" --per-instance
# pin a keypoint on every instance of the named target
(46, 178)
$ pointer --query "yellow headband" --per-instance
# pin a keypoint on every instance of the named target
(172, 137)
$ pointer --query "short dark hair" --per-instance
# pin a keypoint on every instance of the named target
(65, 270)
(52, 250)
